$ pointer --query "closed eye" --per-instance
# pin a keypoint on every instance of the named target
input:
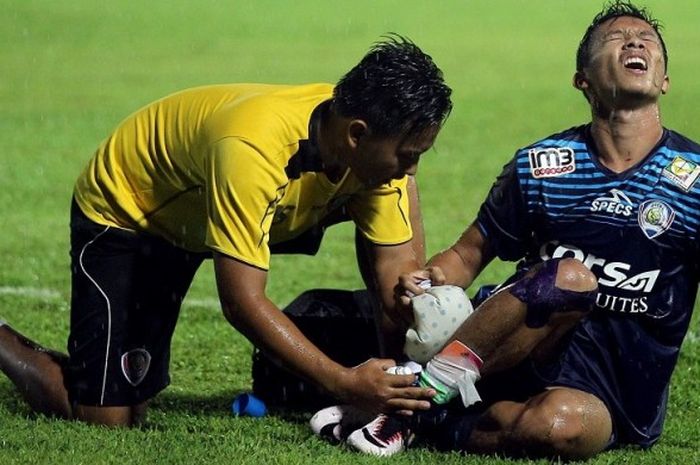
(648, 37)
(613, 35)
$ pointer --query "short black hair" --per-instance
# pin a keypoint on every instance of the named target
(395, 88)
(612, 10)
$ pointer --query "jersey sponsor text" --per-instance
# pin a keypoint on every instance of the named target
(551, 162)
(615, 275)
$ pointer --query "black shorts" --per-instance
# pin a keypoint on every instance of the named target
(127, 289)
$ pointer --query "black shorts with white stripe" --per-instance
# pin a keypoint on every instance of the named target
(127, 289)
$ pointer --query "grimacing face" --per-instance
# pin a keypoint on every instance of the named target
(626, 61)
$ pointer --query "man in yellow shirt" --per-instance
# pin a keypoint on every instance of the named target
(236, 172)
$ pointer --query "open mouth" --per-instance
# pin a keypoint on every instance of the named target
(635, 63)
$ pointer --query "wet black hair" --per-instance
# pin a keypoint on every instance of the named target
(396, 88)
(612, 10)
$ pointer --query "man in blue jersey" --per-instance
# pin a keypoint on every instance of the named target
(574, 353)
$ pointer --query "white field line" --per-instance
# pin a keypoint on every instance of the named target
(32, 292)
(42, 293)
(207, 302)
(693, 336)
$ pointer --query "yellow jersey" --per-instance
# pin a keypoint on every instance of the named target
(230, 168)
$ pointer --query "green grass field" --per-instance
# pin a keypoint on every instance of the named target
(69, 71)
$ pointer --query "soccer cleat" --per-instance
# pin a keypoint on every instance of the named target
(384, 436)
(336, 422)
(446, 428)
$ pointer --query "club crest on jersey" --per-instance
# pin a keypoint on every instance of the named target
(615, 203)
(135, 365)
(655, 217)
(682, 172)
(551, 162)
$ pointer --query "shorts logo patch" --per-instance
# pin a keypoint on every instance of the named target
(655, 217)
(551, 162)
(135, 365)
(682, 172)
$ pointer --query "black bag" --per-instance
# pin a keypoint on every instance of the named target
(340, 323)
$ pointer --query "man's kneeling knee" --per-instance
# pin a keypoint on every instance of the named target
(559, 285)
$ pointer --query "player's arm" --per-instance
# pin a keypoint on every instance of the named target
(416, 220)
(240, 212)
(465, 259)
(459, 265)
(388, 263)
(246, 306)
(500, 229)
(380, 273)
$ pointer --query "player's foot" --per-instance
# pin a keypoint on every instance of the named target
(384, 436)
(335, 423)
(446, 428)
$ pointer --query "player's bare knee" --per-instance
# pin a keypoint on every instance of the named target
(573, 275)
(557, 285)
(105, 416)
(564, 425)
(541, 432)
(567, 432)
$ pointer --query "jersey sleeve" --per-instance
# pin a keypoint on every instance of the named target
(502, 217)
(243, 189)
(382, 214)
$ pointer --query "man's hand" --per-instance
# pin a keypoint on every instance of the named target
(410, 285)
(369, 387)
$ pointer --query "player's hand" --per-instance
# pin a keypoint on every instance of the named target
(368, 386)
(411, 284)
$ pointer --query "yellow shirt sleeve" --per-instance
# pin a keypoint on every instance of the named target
(382, 214)
(243, 189)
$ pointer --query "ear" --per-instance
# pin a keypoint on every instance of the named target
(665, 84)
(357, 129)
(580, 81)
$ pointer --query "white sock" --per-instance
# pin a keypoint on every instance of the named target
(457, 367)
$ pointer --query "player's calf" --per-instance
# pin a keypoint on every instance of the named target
(35, 371)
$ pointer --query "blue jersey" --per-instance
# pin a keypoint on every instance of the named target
(637, 231)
